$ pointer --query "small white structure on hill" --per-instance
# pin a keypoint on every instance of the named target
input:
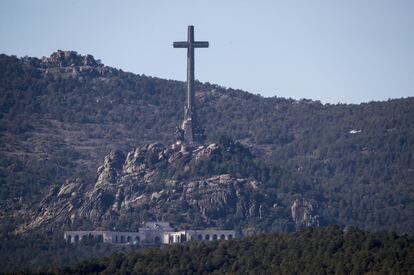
(152, 233)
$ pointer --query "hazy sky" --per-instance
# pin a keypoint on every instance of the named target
(346, 51)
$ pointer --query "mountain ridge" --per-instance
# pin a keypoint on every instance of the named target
(59, 121)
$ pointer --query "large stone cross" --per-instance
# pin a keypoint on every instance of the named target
(190, 126)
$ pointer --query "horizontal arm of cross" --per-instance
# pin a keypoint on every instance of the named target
(200, 44)
(183, 44)
(195, 44)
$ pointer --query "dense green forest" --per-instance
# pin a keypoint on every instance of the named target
(328, 250)
(50, 250)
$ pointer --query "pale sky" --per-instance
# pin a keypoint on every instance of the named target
(347, 51)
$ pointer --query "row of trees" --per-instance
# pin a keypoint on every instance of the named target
(329, 250)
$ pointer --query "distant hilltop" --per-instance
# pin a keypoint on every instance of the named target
(61, 116)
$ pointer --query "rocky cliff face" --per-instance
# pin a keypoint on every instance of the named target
(304, 213)
(151, 183)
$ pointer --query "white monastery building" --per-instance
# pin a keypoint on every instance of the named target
(152, 233)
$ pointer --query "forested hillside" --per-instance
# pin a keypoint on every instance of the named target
(59, 117)
(329, 250)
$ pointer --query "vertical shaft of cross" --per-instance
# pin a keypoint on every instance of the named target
(190, 68)
(190, 132)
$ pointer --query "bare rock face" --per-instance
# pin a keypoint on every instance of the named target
(304, 213)
(70, 58)
(154, 182)
(70, 64)
(64, 201)
(111, 169)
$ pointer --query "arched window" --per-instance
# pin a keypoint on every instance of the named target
(157, 240)
(222, 237)
(69, 238)
(129, 239)
(214, 237)
(207, 237)
(122, 239)
(137, 240)
(229, 237)
(76, 238)
(200, 237)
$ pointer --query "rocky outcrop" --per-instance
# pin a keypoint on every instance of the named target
(109, 172)
(71, 65)
(304, 213)
(69, 58)
(57, 207)
(151, 183)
